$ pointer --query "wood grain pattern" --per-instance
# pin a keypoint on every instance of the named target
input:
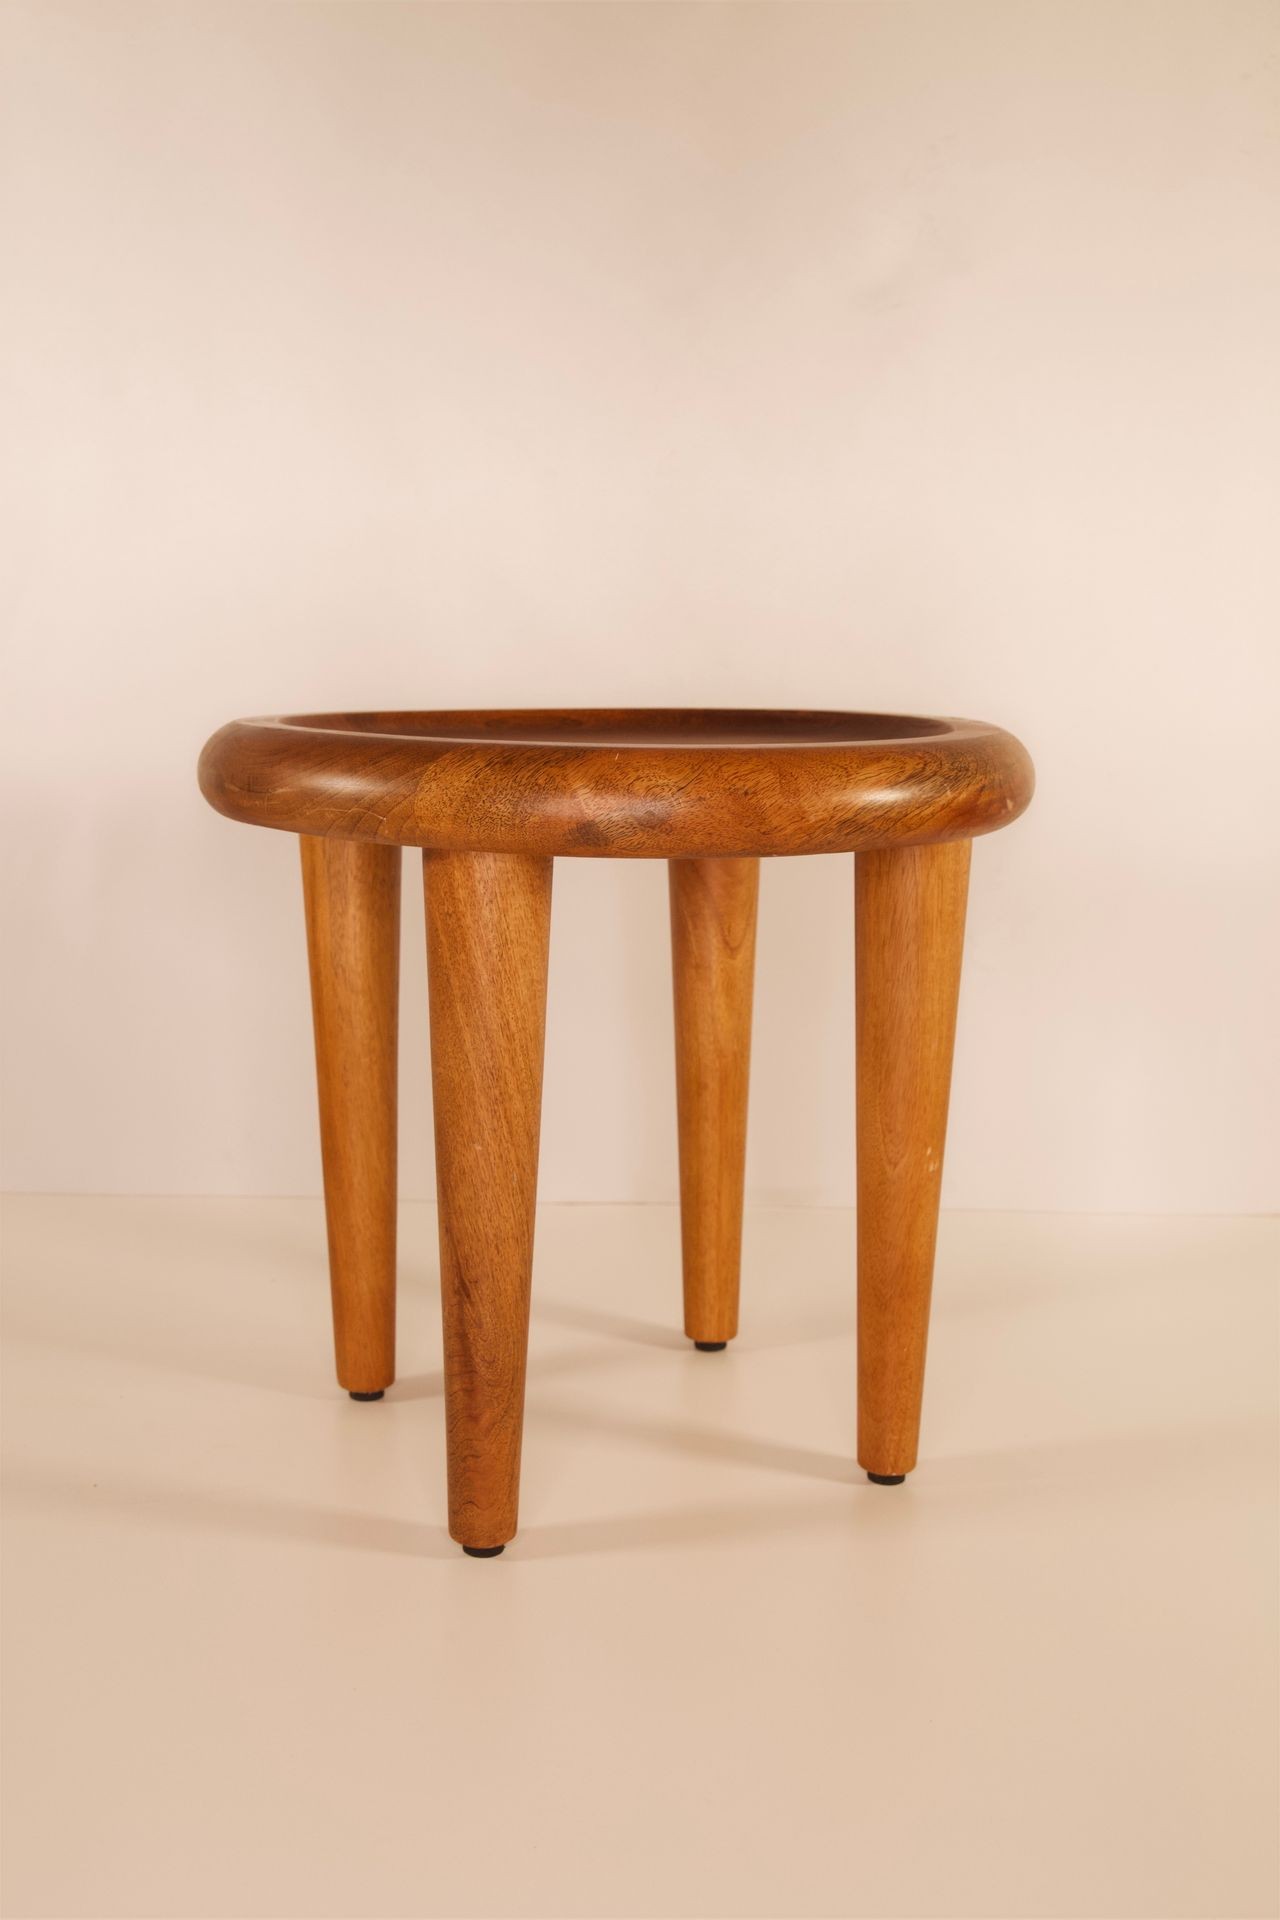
(910, 910)
(639, 782)
(713, 947)
(492, 797)
(488, 924)
(352, 896)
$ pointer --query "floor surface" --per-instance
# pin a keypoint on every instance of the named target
(718, 1674)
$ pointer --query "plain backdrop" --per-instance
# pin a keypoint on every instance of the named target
(914, 355)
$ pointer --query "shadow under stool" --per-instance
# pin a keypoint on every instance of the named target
(492, 798)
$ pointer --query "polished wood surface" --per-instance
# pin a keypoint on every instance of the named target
(352, 895)
(488, 923)
(910, 912)
(492, 797)
(640, 782)
(713, 947)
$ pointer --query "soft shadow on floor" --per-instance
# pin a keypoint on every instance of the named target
(199, 1359)
(704, 1443)
(704, 1527)
(618, 1326)
(179, 1509)
(187, 1509)
(1021, 1474)
(802, 1330)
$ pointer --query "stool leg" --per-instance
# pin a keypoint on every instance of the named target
(910, 934)
(713, 951)
(352, 893)
(488, 922)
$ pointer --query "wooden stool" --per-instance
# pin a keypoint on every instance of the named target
(492, 798)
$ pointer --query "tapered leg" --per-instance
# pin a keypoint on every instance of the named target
(352, 894)
(713, 950)
(488, 922)
(910, 934)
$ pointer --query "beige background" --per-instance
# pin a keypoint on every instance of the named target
(911, 355)
(717, 1674)
(901, 355)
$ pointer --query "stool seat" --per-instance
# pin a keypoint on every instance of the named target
(642, 782)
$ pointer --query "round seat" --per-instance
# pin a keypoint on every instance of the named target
(641, 782)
